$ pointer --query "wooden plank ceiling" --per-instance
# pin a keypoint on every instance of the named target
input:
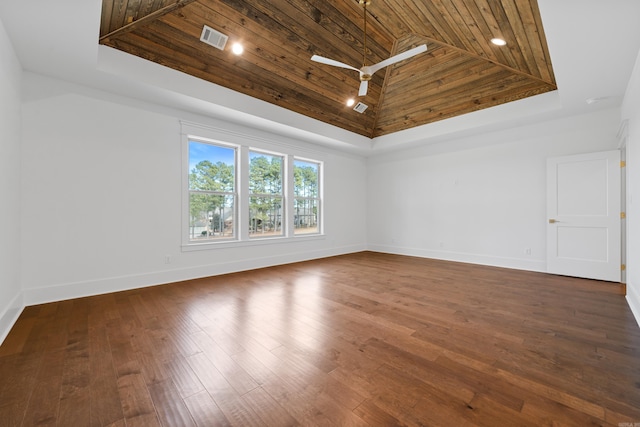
(461, 72)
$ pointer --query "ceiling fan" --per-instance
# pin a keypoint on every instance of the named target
(367, 71)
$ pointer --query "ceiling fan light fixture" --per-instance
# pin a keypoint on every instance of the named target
(498, 41)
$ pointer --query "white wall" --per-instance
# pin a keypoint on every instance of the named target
(479, 199)
(631, 114)
(101, 197)
(10, 83)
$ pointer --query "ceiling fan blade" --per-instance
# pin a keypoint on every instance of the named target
(397, 58)
(364, 85)
(327, 61)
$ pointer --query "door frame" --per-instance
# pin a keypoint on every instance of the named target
(609, 267)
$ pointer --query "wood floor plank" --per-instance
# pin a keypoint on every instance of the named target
(17, 337)
(44, 401)
(364, 339)
(75, 394)
(106, 408)
(359, 380)
(232, 372)
(270, 411)
(183, 377)
(50, 331)
(253, 366)
(170, 407)
(180, 338)
(298, 399)
(205, 411)
(230, 403)
(18, 385)
(337, 413)
(375, 416)
(424, 369)
(137, 404)
(74, 404)
(151, 364)
(415, 400)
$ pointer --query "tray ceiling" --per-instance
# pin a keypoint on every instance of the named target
(461, 72)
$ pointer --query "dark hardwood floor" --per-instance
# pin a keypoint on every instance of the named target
(359, 340)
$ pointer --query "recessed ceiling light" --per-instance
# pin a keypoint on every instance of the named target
(350, 102)
(498, 42)
(237, 48)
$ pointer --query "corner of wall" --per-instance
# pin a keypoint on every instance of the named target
(11, 296)
(10, 315)
(470, 258)
(633, 299)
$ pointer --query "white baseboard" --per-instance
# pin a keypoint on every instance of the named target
(633, 299)
(493, 261)
(65, 291)
(10, 315)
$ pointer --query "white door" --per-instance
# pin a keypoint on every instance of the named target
(583, 208)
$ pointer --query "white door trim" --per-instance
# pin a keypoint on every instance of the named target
(583, 208)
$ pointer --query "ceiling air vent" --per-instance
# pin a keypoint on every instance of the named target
(213, 37)
(360, 107)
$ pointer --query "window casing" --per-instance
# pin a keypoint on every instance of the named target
(234, 194)
(306, 202)
(266, 197)
(213, 198)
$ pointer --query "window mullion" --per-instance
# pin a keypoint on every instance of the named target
(243, 193)
(289, 195)
(186, 196)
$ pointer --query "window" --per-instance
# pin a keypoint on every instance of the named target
(212, 192)
(235, 194)
(265, 194)
(306, 203)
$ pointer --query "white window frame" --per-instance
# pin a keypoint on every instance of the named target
(244, 143)
(319, 199)
(186, 240)
(282, 195)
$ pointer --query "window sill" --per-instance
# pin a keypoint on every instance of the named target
(260, 241)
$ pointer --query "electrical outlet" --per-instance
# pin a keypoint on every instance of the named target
(167, 259)
(527, 251)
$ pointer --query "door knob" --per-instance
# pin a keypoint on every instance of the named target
(552, 221)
